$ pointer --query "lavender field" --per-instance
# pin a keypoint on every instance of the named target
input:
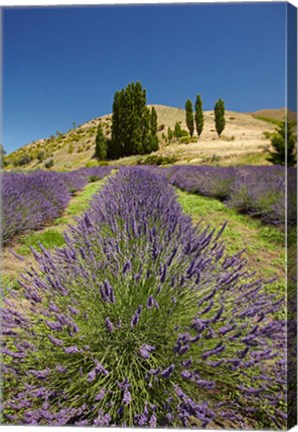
(255, 190)
(32, 200)
(144, 317)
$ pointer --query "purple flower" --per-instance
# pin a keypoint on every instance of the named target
(153, 421)
(150, 302)
(102, 420)
(109, 325)
(166, 373)
(55, 341)
(71, 350)
(126, 267)
(61, 369)
(136, 317)
(186, 374)
(53, 325)
(146, 350)
(126, 397)
(100, 395)
(40, 374)
(73, 310)
(99, 369)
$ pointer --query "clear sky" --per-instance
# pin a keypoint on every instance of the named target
(64, 64)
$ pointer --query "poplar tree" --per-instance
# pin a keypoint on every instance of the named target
(100, 144)
(153, 129)
(199, 116)
(189, 116)
(219, 116)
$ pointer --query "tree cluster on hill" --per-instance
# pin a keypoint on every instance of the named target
(134, 125)
(197, 119)
(194, 120)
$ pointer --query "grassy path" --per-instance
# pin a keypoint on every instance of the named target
(50, 236)
(264, 244)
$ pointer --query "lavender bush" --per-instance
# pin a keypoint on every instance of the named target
(31, 200)
(254, 190)
(142, 320)
(260, 191)
(205, 180)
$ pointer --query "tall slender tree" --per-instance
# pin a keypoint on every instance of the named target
(219, 116)
(189, 116)
(100, 144)
(153, 129)
(199, 116)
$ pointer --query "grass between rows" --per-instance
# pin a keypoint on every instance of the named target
(264, 244)
(53, 236)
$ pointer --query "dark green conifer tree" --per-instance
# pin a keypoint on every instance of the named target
(153, 130)
(189, 116)
(219, 116)
(199, 116)
(131, 123)
(100, 144)
(283, 142)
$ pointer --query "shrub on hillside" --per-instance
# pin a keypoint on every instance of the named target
(179, 132)
(157, 160)
(284, 142)
(186, 140)
(23, 160)
(49, 164)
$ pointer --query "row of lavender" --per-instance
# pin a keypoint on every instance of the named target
(143, 320)
(31, 200)
(255, 190)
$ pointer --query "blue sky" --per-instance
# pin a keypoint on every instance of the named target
(64, 64)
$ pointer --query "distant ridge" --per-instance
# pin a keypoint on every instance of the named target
(276, 114)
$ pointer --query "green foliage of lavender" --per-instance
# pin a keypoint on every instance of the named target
(142, 320)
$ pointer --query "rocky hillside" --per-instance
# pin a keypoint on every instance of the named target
(244, 140)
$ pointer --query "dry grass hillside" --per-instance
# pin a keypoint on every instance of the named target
(244, 140)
